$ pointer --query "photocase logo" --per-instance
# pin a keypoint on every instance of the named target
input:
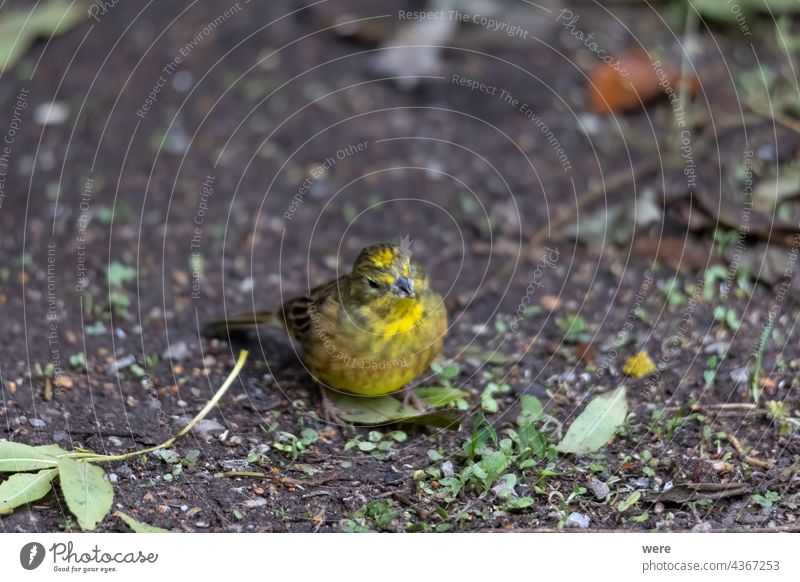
(31, 555)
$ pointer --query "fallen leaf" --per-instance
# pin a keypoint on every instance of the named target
(687, 254)
(596, 425)
(23, 488)
(638, 366)
(439, 396)
(138, 526)
(688, 492)
(626, 84)
(727, 213)
(773, 190)
(631, 500)
(88, 495)
(373, 410)
(19, 27)
(20, 457)
(766, 262)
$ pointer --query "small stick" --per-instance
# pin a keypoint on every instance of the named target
(240, 474)
(744, 456)
(746, 406)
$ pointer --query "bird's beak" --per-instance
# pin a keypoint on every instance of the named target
(403, 286)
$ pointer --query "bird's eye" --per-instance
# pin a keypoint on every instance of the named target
(373, 284)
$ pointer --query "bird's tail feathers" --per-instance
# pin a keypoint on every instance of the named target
(240, 323)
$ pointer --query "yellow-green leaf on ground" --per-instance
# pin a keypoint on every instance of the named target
(595, 426)
(388, 409)
(88, 495)
(20, 457)
(23, 488)
(19, 27)
(631, 500)
(138, 526)
(438, 396)
(639, 366)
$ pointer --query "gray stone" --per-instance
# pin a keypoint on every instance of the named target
(599, 489)
(577, 520)
(176, 352)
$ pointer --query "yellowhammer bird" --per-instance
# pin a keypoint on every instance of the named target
(369, 332)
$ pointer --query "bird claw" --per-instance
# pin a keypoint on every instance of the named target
(411, 399)
(330, 412)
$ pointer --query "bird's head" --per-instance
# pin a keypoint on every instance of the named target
(387, 272)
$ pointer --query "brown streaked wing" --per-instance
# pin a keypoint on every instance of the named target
(296, 314)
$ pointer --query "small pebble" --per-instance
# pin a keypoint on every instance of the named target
(447, 469)
(36, 423)
(182, 81)
(234, 441)
(119, 364)
(125, 472)
(740, 375)
(53, 113)
(599, 489)
(176, 352)
(577, 520)
(205, 427)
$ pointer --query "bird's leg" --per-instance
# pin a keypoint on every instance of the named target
(330, 412)
(411, 399)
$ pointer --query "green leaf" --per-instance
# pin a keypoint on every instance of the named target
(482, 433)
(119, 274)
(629, 501)
(519, 503)
(640, 518)
(439, 396)
(23, 488)
(505, 487)
(87, 494)
(16, 457)
(531, 409)
(488, 402)
(388, 409)
(19, 27)
(450, 371)
(138, 526)
(595, 426)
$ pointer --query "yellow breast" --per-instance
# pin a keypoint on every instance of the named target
(366, 355)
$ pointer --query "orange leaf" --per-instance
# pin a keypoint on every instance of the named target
(630, 82)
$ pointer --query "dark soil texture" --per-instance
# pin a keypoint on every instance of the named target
(183, 185)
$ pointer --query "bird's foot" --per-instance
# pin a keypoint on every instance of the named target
(330, 412)
(411, 399)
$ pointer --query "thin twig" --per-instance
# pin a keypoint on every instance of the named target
(768, 464)
(95, 458)
(240, 474)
